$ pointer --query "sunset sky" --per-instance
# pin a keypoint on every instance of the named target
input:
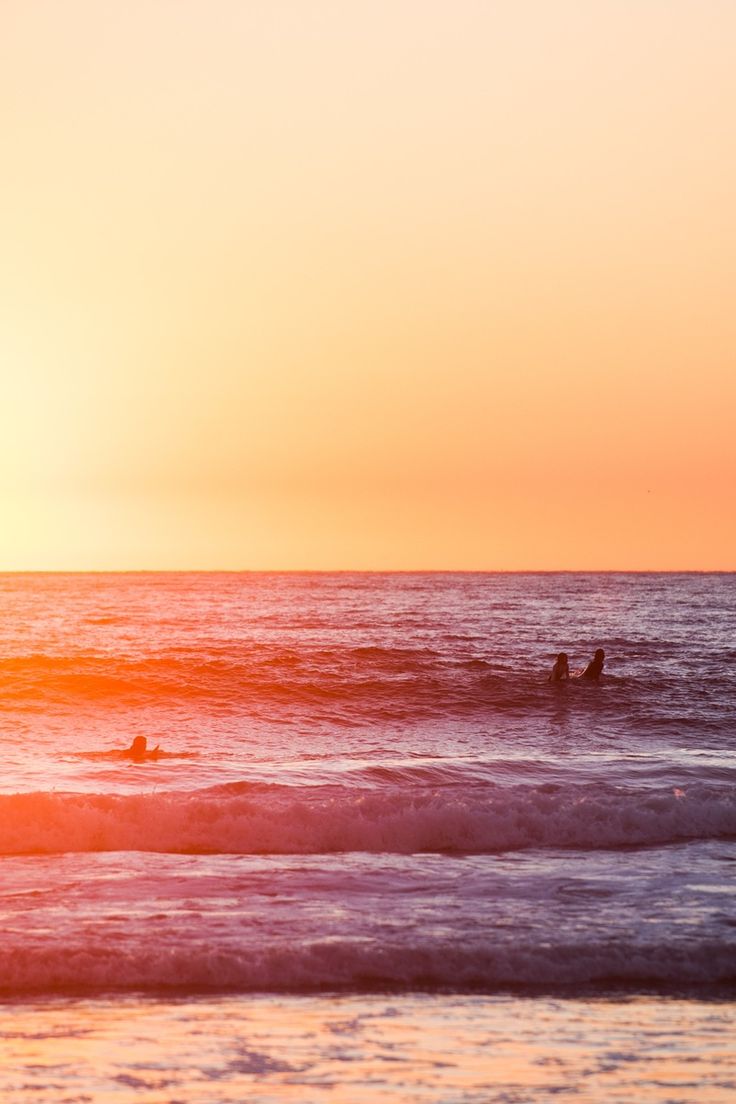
(388, 284)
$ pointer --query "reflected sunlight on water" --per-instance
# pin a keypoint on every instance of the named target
(356, 1050)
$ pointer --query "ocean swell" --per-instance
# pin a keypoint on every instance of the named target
(335, 964)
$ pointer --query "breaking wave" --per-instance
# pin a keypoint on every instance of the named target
(251, 818)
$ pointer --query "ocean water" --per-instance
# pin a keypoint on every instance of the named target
(369, 809)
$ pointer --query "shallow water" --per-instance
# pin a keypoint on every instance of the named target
(367, 786)
(356, 1050)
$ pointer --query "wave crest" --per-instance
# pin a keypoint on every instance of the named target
(304, 966)
(270, 819)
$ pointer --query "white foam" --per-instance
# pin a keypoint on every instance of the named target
(283, 820)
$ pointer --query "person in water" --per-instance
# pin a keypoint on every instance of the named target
(138, 750)
(595, 667)
(560, 670)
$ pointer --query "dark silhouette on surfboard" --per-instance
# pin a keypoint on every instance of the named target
(138, 750)
(561, 670)
(594, 669)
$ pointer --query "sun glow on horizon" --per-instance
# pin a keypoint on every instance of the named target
(391, 286)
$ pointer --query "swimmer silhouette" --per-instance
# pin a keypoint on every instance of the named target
(138, 749)
(594, 668)
(560, 670)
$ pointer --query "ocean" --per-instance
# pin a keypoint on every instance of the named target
(377, 855)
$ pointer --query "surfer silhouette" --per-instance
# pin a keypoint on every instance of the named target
(595, 667)
(560, 671)
(138, 750)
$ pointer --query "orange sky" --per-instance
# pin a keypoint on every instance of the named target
(393, 284)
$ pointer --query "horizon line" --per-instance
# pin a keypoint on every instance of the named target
(372, 571)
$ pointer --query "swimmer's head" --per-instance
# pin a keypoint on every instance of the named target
(600, 654)
(562, 657)
(138, 747)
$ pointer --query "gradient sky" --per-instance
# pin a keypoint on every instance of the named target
(406, 284)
